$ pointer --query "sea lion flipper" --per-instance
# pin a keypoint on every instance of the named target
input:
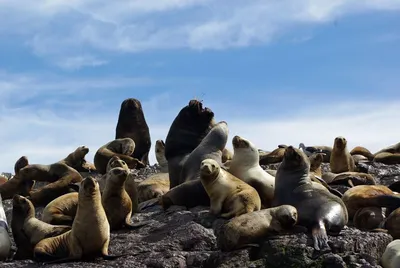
(135, 225)
(149, 203)
(320, 238)
(113, 257)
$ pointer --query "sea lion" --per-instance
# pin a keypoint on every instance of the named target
(341, 160)
(391, 255)
(387, 158)
(368, 218)
(245, 166)
(90, 233)
(318, 209)
(5, 242)
(226, 155)
(77, 160)
(273, 157)
(256, 226)
(395, 148)
(229, 196)
(361, 196)
(116, 201)
(16, 185)
(160, 156)
(359, 150)
(189, 194)
(392, 223)
(123, 148)
(358, 158)
(61, 210)
(132, 124)
(188, 129)
(349, 178)
(309, 150)
(60, 177)
(153, 187)
(3, 179)
(28, 230)
(316, 160)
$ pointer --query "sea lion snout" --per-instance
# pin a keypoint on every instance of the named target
(239, 142)
(207, 166)
(118, 171)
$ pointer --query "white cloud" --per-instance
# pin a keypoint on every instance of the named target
(46, 136)
(77, 62)
(59, 28)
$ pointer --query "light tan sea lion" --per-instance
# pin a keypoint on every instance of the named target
(227, 155)
(90, 234)
(16, 185)
(369, 196)
(132, 124)
(160, 156)
(358, 158)
(229, 196)
(341, 160)
(391, 255)
(5, 242)
(62, 210)
(245, 166)
(77, 160)
(368, 218)
(123, 148)
(316, 160)
(60, 177)
(28, 230)
(394, 149)
(256, 226)
(153, 187)
(188, 129)
(273, 157)
(116, 201)
(359, 150)
(387, 158)
(318, 210)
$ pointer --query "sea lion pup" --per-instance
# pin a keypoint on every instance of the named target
(359, 150)
(309, 150)
(160, 156)
(153, 187)
(245, 166)
(254, 227)
(60, 177)
(369, 196)
(5, 242)
(28, 230)
(350, 179)
(317, 209)
(229, 196)
(368, 218)
(188, 129)
(316, 160)
(132, 124)
(227, 155)
(391, 255)
(273, 157)
(77, 160)
(90, 233)
(123, 148)
(395, 148)
(62, 210)
(16, 185)
(341, 160)
(387, 158)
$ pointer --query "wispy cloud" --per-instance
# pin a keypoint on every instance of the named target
(77, 62)
(57, 28)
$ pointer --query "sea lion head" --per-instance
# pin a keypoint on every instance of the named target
(89, 187)
(245, 150)
(21, 163)
(209, 170)
(286, 216)
(160, 151)
(22, 205)
(294, 159)
(368, 218)
(115, 161)
(118, 175)
(316, 160)
(81, 152)
(127, 146)
(131, 104)
(340, 143)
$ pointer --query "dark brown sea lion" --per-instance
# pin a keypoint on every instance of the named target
(90, 234)
(368, 218)
(132, 124)
(325, 150)
(349, 178)
(77, 160)
(60, 177)
(16, 185)
(341, 160)
(318, 210)
(123, 148)
(392, 224)
(188, 129)
(28, 230)
(276, 156)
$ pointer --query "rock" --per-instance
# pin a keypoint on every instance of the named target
(187, 238)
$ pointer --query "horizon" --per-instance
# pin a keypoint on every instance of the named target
(279, 72)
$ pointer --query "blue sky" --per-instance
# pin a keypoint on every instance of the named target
(278, 72)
